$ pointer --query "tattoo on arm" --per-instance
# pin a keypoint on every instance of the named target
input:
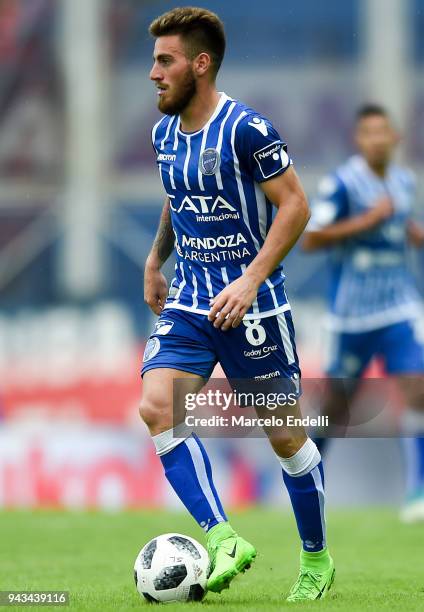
(164, 240)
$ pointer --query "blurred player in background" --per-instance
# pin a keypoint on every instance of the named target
(222, 166)
(363, 215)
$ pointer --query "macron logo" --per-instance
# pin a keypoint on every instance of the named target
(166, 157)
(260, 125)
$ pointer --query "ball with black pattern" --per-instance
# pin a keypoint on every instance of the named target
(172, 567)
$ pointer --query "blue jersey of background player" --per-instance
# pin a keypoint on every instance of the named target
(363, 212)
(223, 166)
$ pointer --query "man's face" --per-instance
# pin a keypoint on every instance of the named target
(173, 74)
(376, 139)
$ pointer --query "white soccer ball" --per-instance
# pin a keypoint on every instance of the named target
(172, 567)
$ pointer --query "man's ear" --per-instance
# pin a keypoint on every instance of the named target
(202, 63)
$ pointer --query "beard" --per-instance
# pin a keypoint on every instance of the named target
(183, 96)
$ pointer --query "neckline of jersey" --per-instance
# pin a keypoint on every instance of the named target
(222, 100)
(365, 166)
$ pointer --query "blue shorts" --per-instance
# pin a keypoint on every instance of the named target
(396, 345)
(260, 349)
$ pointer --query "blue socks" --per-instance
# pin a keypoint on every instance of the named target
(304, 478)
(188, 470)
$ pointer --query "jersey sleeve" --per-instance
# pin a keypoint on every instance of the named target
(330, 205)
(260, 150)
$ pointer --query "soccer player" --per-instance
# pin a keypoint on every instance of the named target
(363, 215)
(223, 166)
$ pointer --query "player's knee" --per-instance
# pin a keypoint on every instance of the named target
(149, 412)
(289, 447)
(155, 416)
(286, 445)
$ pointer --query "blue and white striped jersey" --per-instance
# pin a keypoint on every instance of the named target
(371, 284)
(220, 216)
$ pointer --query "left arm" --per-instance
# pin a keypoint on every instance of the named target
(416, 234)
(286, 193)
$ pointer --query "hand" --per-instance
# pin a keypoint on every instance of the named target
(382, 210)
(416, 234)
(231, 304)
(155, 288)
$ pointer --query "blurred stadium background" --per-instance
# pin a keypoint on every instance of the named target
(79, 204)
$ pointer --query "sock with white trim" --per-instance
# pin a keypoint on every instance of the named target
(189, 472)
(304, 478)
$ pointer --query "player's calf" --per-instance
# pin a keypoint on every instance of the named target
(303, 476)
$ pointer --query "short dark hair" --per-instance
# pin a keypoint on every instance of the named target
(370, 110)
(201, 30)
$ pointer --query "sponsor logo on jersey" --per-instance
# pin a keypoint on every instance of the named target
(275, 374)
(208, 242)
(152, 349)
(215, 256)
(163, 327)
(270, 150)
(201, 204)
(271, 159)
(170, 157)
(209, 162)
(261, 353)
(193, 248)
(216, 218)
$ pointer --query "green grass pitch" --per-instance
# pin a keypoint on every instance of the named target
(379, 562)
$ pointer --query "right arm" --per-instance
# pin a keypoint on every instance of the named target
(155, 285)
(416, 234)
(331, 220)
(346, 228)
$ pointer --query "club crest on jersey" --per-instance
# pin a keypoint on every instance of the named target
(209, 162)
(152, 349)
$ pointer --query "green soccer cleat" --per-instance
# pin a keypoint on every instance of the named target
(315, 577)
(229, 555)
